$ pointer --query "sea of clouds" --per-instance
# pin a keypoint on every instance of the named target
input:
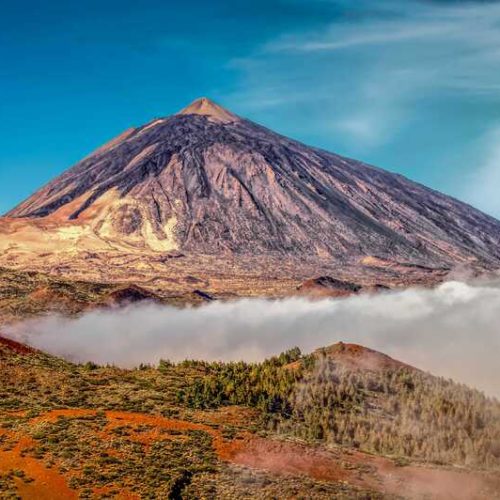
(452, 330)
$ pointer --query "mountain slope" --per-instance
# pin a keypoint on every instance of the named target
(237, 430)
(205, 181)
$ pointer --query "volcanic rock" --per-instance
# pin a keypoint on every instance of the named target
(207, 182)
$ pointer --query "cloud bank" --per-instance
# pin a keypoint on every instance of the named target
(451, 331)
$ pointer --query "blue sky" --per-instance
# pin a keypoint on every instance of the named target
(411, 86)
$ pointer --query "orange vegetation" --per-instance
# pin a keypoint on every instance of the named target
(246, 449)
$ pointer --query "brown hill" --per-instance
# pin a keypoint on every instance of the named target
(357, 357)
(131, 294)
(326, 286)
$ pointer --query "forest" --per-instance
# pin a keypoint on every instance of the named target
(401, 412)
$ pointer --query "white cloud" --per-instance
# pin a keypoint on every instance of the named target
(450, 331)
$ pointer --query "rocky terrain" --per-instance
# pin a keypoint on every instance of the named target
(25, 295)
(208, 194)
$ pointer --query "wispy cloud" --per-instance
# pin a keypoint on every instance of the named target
(371, 74)
(401, 23)
(349, 35)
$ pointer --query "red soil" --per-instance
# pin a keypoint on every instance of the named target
(47, 483)
(379, 473)
(282, 457)
(16, 347)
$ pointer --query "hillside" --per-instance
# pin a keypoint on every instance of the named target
(287, 427)
(25, 295)
(207, 190)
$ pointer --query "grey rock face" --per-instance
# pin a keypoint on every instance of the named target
(232, 186)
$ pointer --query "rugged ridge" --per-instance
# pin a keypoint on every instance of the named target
(205, 181)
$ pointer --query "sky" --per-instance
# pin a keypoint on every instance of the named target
(412, 86)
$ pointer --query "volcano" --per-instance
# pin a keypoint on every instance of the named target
(206, 182)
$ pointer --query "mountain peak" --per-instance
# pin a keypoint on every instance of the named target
(231, 187)
(206, 107)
